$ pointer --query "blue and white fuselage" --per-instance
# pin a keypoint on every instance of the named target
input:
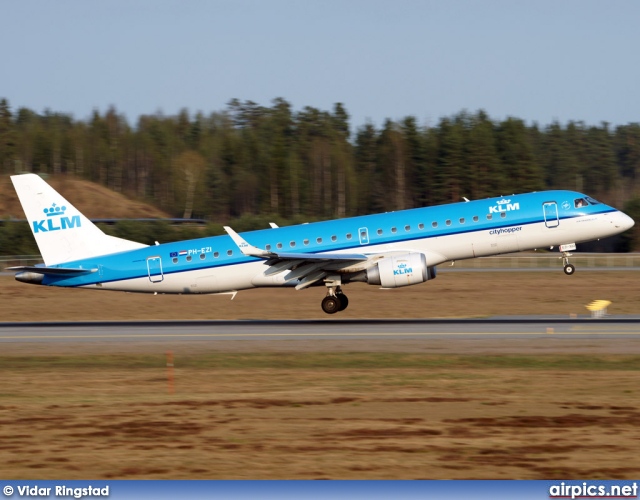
(391, 249)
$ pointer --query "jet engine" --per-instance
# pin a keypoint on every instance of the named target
(401, 270)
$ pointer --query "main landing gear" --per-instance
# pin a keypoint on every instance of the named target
(335, 300)
(331, 304)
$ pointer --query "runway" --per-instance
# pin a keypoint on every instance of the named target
(525, 334)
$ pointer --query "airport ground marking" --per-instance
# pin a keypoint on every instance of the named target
(318, 334)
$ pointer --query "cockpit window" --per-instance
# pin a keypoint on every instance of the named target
(592, 201)
(580, 202)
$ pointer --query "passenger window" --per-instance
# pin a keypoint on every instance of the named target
(202, 256)
(216, 254)
(379, 231)
(292, 244)
(503, 214)
(268, 247)
(393, 229)
(175, 260)
(319, 240)
(421, 226)
(475, 218)
(461, 220)
(407, 228)
(188, 258)
(447, 222)
(334, 238)
(434, 224)
(306, 242)
(229, 252)
(349, 236)
(489, 216)
(279, 245)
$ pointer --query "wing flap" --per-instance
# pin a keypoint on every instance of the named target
(317, 257)
(310, 279)
(302, 271)
(277, 266)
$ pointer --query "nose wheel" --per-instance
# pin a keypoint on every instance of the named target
(569, 269)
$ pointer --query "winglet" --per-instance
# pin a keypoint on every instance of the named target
(244, 247)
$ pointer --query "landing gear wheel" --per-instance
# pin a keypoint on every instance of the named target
(331, 304)
(569, 269)
(344, 301)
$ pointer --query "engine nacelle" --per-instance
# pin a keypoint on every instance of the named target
(401, 270)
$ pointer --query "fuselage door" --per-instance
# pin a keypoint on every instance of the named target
(363, 233)
(550, 209)
(154, 266)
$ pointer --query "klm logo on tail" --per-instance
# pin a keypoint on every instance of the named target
(56, 220)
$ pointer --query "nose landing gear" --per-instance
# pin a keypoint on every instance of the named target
(569, 269)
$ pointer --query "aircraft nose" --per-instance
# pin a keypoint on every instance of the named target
(624, 222)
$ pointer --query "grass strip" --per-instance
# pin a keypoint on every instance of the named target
(355, 360)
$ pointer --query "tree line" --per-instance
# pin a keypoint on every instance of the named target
(310, 164)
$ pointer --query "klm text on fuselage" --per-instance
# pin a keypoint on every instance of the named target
(504, 206)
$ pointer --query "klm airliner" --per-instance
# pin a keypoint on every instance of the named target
(389, 250)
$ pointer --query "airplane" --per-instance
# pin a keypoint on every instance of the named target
(389, 250)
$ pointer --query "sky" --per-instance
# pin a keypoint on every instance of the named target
(541, 60)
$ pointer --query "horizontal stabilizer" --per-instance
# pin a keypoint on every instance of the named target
(56, 271)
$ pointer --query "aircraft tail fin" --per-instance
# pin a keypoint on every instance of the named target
(62, 233)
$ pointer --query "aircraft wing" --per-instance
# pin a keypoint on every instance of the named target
(308, 268)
